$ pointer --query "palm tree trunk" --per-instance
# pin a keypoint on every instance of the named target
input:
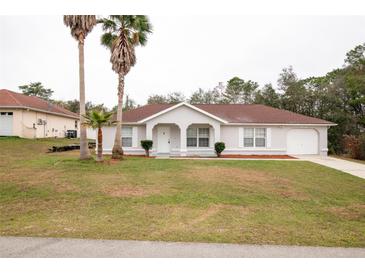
(99, 157)
(84, 147)
(117, 152)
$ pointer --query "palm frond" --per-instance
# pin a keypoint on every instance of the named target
(122, 34)
(142, 38)
(98, 119)
(80, 25)
(108, 25)
(107, 39)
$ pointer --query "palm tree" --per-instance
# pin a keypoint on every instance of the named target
(96, 120)
(122, 34)
(81, 26)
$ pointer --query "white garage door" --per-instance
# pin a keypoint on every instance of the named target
(6, 123)
(302, 141)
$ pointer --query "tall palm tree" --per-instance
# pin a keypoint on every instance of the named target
(81, 26)
(96, 120)
(122, 33)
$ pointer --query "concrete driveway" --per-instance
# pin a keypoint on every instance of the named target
(25, 247)
(352, 168)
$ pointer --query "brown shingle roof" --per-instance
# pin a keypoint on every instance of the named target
(17, 100)
(244, 113)
(232, 113)
(140, 113)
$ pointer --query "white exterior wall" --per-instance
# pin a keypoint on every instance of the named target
(91, 133)
(139, 132)
(25, 124)
(231, 137)
(277, 143)
(323, 140)
(181, 118)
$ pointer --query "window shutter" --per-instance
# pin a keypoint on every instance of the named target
(134, 137)
(240, 137)
(268, 137)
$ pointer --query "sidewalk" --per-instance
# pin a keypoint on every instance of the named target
(352, 168)
(25, 247)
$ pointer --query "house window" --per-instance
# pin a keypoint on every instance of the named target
(197, 137)
(191, 137)
(76, 125)
(203, 137)
(248, 139)
(260, 137)
(127, 134)
(254, 137)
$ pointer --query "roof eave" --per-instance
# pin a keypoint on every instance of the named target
(284, 124)
(41, 110)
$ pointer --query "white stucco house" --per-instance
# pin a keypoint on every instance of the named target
(32, 117)
(185, 130)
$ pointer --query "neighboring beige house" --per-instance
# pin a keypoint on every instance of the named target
(33, 117)
(184, 129)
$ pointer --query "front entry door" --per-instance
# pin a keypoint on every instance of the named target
(163, 139)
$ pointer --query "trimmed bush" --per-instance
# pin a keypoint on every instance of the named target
(219, 147)
(147, 145)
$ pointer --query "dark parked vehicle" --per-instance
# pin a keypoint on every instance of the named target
(71, 133)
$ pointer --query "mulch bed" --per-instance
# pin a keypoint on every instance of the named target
(139, 156)
(228, 156)
(235, 156)
(257, 156)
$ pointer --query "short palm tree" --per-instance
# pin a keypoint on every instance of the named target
(121, 34)
(96, 120)
(81, 26)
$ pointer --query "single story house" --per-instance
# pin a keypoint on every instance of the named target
(186, 130)
(32, 117)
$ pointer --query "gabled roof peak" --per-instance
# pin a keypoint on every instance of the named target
(179, 105)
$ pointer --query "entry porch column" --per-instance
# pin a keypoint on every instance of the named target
(217, 133)
(183, 147)
(149, 127)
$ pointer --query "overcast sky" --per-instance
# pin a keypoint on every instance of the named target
(184, 53)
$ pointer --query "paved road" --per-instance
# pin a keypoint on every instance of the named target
(60, 247)
(353, 168)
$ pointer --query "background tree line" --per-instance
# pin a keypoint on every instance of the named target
(338, 96)
(37, 89)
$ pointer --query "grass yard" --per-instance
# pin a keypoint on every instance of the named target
(259, 202)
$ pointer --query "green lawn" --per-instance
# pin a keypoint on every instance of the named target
(261, 202)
